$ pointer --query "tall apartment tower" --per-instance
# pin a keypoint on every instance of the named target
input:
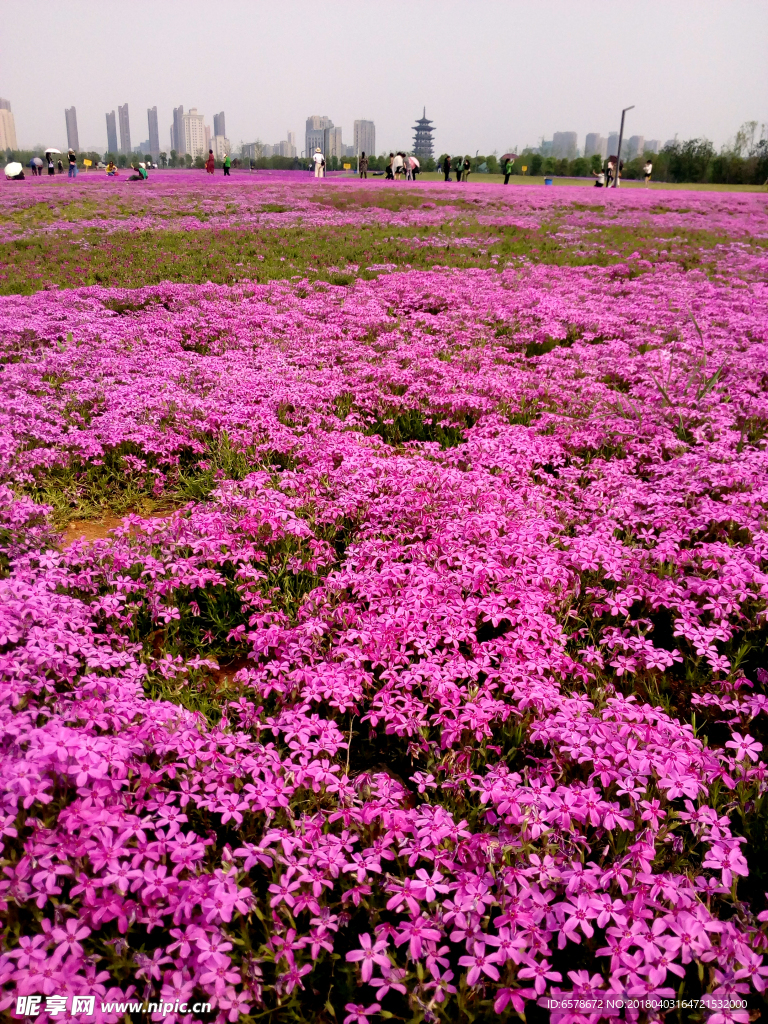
(177, 130)
(596, 145)
(112, 134)
(332, 144)
(70, 116)
(613, 143)
(652, 145)
(564, 145)
(635, 146)
(313, 136)
(7, 127)
(154, 132)
(364, 138)
(125, 128)
(195, 133)
(219, 128)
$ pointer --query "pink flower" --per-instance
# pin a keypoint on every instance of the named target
(745, 746)
(370, 955)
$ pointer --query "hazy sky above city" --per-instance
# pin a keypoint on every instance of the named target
(492, 75)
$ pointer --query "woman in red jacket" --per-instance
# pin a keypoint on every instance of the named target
(209, 162)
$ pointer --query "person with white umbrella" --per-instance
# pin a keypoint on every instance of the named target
(14, 171)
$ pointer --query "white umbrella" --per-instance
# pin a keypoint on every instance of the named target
(37, 161)
(50, 149)
(416, 162)
(11, 170)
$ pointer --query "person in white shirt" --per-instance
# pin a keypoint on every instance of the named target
(397, 165)
(647, 171)
(319, 160)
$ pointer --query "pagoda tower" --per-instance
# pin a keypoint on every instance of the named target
(422, 137)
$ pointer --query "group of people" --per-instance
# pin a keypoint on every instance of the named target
(37, 165)
(613, 171)
(461, 167)
(210, 164)
(401, 165)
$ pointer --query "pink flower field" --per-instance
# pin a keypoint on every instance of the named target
(423, 675)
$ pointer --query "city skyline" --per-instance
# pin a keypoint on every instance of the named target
(672, 86)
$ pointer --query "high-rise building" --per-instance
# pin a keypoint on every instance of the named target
(219, 127)
(564, 145)
(220, 146)
(635, 147)
(652, 146)
(314, 137)
(154, 132)
(207, 140)
(423, 145)
(125, 128)
(613, 143)
(112, 134)
(70, 116)
(194, 133)
(287, 147)
(177, 130)
(332, 144)
(7, 127)
(364, 138)
(596, 145)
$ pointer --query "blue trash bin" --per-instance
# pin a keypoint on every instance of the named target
(547, 181)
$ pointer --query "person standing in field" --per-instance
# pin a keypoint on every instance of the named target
(362, 165)
(209, 163)
(51, 165)
(227, 165)
(72, 172)
(447, 168)
(467, 167)
(397, 166)
(319, 162)
(647, 171)
(59, 167)
(507, 171)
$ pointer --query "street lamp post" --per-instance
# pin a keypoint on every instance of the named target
(621, 137)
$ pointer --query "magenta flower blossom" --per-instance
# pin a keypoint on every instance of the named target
(369, 954)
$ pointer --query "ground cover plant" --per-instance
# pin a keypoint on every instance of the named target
(424, 676)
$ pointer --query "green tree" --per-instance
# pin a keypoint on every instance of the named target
(163, 159)
(188, 159)
(689, 161)
(536, 164)
(174, 158)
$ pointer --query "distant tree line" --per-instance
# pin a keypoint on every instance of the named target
(743, 162)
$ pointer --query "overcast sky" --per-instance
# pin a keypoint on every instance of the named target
(491, 74)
